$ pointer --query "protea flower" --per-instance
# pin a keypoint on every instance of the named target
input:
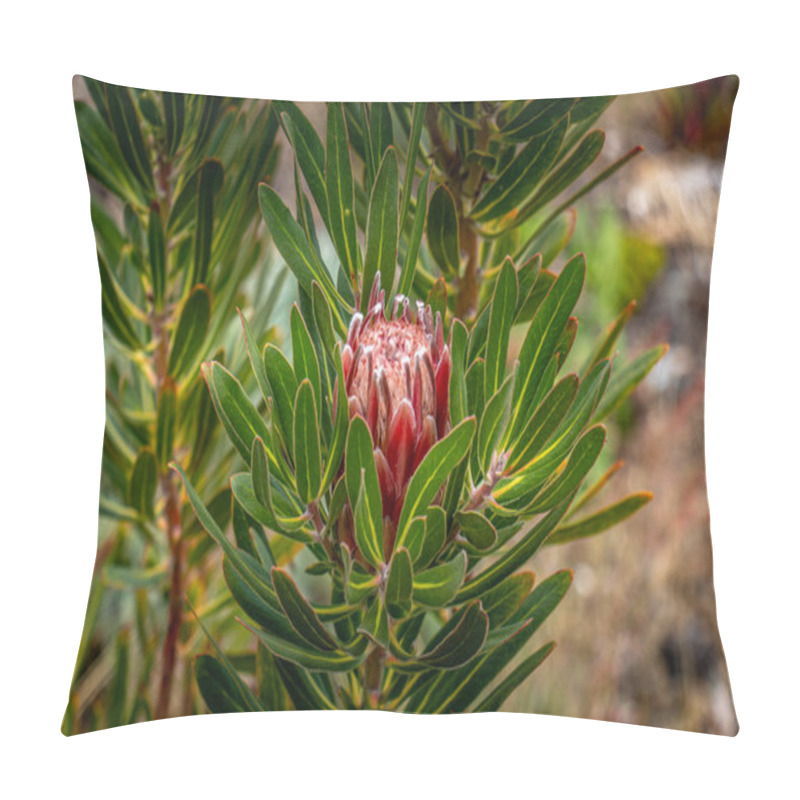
(397, 376)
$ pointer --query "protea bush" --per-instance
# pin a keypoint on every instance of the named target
(424, 441)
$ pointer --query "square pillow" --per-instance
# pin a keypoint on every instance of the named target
(399, 396)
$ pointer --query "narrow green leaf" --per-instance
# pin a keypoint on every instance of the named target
(375, 623)
(463, 642)
(208, 185)
(125, 125)
(581, 460)
(501, 316)
(174, 119)
(443, 235)
(157, 251)
(543, 423)
(364, 492)
(306, 362)
(308, 150)
(414, 240)
(417, 119)
(313, 660)
(143, 482)
(300, 613)
(253, 356)
(499, 695)
(601, 520)
(381, 251)
(339, 188)
(340, 422)
(535, 118)
(519, 179)
(222, 693)
(165, 423)
(292, 244)
(605, 349)
(625, 380)
(241, 420)
(432, 472)
(436, 587)
(283, 389)
(542, 339)
(492, 423)
(307, 454)
(400, 584)
(187, 341)
(478, 531)
(513, 558)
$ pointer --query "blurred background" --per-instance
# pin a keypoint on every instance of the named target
(637, 633)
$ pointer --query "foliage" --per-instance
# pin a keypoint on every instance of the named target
(424, 608)
(173, 182)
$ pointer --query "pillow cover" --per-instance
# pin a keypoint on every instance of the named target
(369, 365)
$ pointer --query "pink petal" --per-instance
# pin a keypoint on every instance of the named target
(400, 442)
(426, 440)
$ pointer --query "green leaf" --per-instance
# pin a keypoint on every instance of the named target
(380, 130)
(187, 341)
(400, 584)
(420, 215)
(625, 380)
(601, 520)
(307, 455)
(222, 692)
(542, 339)
(443, 235)
(381, 252)
(300, 613)
(313, 660)
(308, 150)
(339, 188)
(119, 577)
(253, 356)
(535, 118)
(541, 466)
(606, 346)
(499, 695)
(567, 173)
(125, 125)
(283, 387)
(306, 363)
(516, 182)
(340, 423)
(292, 244)
(501, 316)
(209, 183)
(435, 535)
(581, 460)
(241, 420)
(291, 522)
(363, 490)
(114, 307)
(462, 643)
(436, 587)
(143, 483)
(505, 598)
(479, 532)
(323, 319)
(543, 423)
(492, 423)
(417, 119)
(376, 623)
(515, 557)
(157, 251)
(174, 119)
(432, 472)
(165, 423)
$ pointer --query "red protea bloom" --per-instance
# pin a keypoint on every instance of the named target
(397, 376)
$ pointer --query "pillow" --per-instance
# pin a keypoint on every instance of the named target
(372, 372)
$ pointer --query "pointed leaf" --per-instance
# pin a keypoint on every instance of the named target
(187, 341)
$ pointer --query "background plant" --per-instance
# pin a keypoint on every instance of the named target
(430, 621)
(173, 179)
